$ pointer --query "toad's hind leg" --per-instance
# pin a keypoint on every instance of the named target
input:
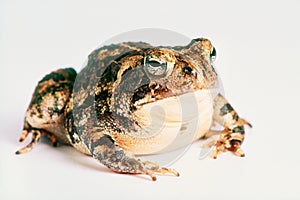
(45, 114)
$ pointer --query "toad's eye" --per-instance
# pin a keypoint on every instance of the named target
(155, 67)
(213, 54)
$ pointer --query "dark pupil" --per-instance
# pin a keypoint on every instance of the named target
(213, 53)
(154, 63)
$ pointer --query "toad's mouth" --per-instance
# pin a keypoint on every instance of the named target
(177, 120)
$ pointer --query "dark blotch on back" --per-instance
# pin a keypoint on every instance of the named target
(110, 73)
(60, 75)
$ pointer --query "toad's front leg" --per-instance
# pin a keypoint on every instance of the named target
(232, 136)
(105, 150)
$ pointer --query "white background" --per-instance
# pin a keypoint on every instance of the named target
(258, 49)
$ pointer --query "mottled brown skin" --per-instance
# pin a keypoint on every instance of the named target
(95, 110)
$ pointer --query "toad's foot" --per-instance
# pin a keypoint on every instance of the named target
(230, 140)
(36, 135)
(153, 169)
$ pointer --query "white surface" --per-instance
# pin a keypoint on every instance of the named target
(258, 49)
